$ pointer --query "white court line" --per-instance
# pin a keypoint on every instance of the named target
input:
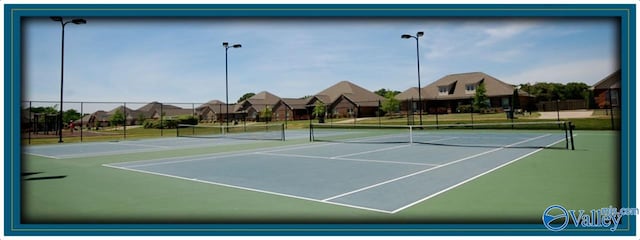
(372, 151)
(136, 144)
(209, 156)
(42, 155)
(245, 188)
(192, 160)
(474, 177)
(181, 146)
(345, 159)
(312, 145)
(431, 169)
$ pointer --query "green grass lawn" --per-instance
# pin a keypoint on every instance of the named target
(81, 190)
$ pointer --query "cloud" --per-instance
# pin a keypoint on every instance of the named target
(497, 34)
(588, 71)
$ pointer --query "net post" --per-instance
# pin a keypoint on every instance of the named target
(571, 126)
(283, 135)
(566, 135)
(410, 134)
(310, 132)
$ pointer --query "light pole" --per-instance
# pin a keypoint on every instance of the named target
(226, 75)
(63, 24)
(417, 36)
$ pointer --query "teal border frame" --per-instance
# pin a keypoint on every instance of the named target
(12, 155)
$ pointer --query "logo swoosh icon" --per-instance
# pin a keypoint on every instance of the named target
(547, 218)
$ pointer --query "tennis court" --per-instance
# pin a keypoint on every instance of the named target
(213, 136)
(354, 170)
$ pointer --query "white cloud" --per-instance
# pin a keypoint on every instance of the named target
(501, 33)
(588, 71)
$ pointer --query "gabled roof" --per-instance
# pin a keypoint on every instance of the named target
(611, 81)
(456, 86)
(264, 97)
(153, 106)
(350, 91)
(218, 106)
(411, 93)
(211, 103)
(295, 103)
(259, 101)
(120, 108)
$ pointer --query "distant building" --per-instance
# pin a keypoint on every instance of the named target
(455, 92)
(606, 92)
(253, 107)
(216, 111)
(346, 99)
(291, 109)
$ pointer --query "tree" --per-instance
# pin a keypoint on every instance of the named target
(383, 92)
(45, 110)
(574, 90)
(70, 115)
(390, 103)
(246, 96)
(319, 111)
(117, 117)
(266, 114)
(480, 99)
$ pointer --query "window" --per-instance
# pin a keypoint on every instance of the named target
(506, 102)
(612, 95)
(470, 88)
(443, 90)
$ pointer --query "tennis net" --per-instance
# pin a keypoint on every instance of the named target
(250, 132)
(556, 134)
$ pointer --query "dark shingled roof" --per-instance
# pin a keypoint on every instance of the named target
(351, 91)
(611, 81)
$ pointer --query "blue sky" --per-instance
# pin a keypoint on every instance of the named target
(182, 59)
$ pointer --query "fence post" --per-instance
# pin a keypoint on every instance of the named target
(379, 114)
(124, 122)
(30, 122)
(558, 108)
(611, 110)
(472, 113)
(161, 121)
(81, 119)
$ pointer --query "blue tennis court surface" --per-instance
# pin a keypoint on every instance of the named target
(92, 149)
(379, 177)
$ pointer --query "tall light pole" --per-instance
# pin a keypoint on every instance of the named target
(226, 75)
(63, 24)
(417, 36)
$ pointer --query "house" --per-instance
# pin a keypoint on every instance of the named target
(216, 111)
(455, 92)
(291, 109)
(156, 110)
(606, 92)
(346, 99)
(409, 100)
(263, 102)
(97, 119)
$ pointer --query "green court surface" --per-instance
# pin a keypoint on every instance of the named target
(264, 181)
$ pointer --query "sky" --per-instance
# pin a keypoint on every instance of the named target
(182, 59)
